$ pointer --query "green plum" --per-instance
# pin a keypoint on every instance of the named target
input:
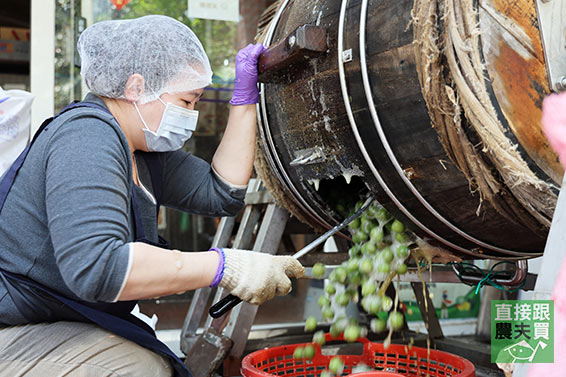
(323, 302)
(395, 320)
(336, 365)
(402, 269)
(355, 224)
(401, 237)
(376, 235)
(397, 226)
(328, 313)
(355, 277)
(341, 274)
(366, 266)
(402, 252)
(310, 324)
(378, 325)
(318, 270)
(330, 288)
(342, 299)
(308, 352)
(319, 337)
(353, 264)
(382, 215)
(383, 268)
(387, 255)
(369, 287)
(386, 303)
(352, 333)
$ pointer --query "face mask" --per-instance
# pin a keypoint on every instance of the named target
(176, 127)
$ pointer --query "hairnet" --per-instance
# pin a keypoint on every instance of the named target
(163, 50)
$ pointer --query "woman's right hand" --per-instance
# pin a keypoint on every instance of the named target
(245, 85)
(257, 277)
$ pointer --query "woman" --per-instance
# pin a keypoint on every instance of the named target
(78, 239)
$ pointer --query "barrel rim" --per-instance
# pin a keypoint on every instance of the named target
(265, 131)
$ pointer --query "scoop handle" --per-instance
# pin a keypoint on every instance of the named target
(228, 302)
(222, 306)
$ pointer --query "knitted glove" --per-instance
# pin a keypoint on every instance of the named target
(257, 277)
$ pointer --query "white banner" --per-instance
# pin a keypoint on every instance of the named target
(223, 10)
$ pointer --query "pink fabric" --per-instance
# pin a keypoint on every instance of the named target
(558, 369)
(554, 123)
(554, 126)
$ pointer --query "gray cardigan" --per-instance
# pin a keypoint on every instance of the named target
(67, 221)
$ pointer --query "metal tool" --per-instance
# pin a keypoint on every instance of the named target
(228, 302)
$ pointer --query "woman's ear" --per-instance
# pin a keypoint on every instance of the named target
(134, 87)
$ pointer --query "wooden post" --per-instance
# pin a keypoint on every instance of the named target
(250, 11)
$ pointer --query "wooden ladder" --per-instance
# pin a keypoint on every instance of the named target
(260, 210)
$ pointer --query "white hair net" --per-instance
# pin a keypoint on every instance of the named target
(163, 50)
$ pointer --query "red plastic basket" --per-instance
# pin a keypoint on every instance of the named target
(397, 361)
(377, 374)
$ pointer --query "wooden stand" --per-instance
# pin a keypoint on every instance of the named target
(262, 227)
(260, 209)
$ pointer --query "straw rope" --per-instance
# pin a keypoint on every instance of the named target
(454, 85)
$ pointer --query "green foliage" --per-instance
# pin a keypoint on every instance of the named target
(219, 39)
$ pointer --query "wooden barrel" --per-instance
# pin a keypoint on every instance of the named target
(434, 106)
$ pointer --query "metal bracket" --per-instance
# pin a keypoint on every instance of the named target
(347, 55)
(552, 24)
(521, 272)
(308, 156)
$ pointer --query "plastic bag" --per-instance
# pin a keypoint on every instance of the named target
(15, 122)
(151, 322)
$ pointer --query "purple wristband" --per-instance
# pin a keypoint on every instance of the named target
(220, 270)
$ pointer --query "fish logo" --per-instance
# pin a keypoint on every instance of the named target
(523, 351)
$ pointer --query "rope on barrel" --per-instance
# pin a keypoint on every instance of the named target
(454, 85)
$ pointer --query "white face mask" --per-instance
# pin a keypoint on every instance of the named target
(176, 127)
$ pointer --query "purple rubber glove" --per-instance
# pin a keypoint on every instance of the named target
(245, 87)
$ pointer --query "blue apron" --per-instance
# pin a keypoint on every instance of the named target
(114, 317)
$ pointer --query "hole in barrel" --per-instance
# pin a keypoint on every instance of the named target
(341, 197)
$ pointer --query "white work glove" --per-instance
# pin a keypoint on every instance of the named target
(257, 277)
